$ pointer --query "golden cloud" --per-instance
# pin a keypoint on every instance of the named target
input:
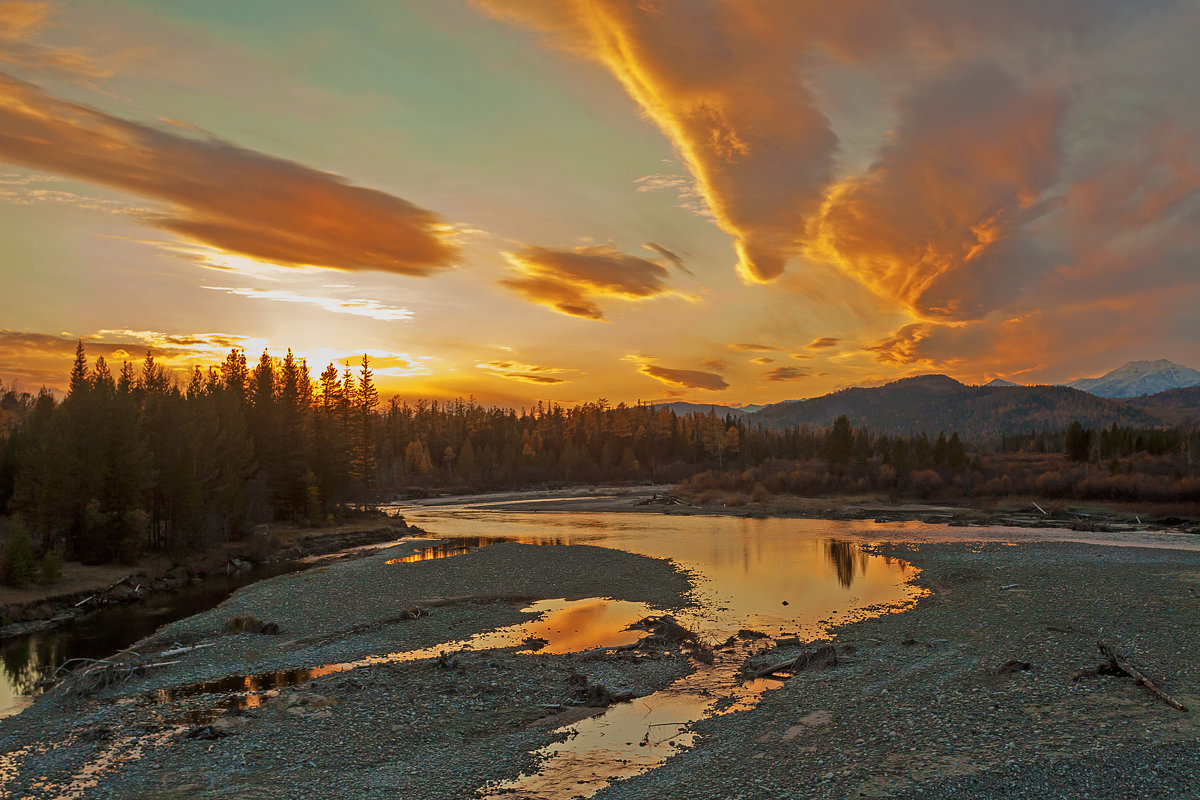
(722, 82)
(752, 347)
(237, 200)
(21, 21)
(570, 281)
(762, 360)
(41, 359)
(687, 378)
(357, 306)
(786, 374)
(933, 224)
(529, 373)
(823, 342)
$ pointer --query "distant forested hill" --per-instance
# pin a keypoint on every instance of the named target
(1175, 406)
(933, 403)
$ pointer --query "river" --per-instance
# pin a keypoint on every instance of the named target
(776, 577)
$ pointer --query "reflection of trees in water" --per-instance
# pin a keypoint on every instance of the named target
(847, 558)
(22, 657)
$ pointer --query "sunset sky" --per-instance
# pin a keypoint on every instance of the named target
(738, 201)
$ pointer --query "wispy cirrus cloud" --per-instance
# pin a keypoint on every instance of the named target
(752, 347)
(573, 281)
(529, 373)
(231, 198)
(357, 306)
(22, 22)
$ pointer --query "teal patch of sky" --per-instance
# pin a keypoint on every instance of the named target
(440, 81)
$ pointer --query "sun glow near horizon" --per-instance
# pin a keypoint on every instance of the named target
(506, 201)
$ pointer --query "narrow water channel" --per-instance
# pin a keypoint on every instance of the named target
(779, 577)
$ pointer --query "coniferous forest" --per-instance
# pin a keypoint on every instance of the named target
(136, 460)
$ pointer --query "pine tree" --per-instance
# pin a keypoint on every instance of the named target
(79, 383)
(364, 403)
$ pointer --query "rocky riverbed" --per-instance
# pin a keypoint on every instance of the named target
(432, 728)
(932, 702)
(922, 708)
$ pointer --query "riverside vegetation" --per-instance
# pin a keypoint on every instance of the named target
(141, 461)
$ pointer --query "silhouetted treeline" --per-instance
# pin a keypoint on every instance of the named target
(139, 460)
(1109, 464)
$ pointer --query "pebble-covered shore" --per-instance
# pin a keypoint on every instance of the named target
(914, 711)
(419, 729)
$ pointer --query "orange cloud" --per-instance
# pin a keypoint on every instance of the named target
(687, 378)
(722, 82)
(21, 21)
(237, 200)
(358, 306)
(934, 223)
(570, 281)
(823, 342)
(762, 360)
(670, 256)
(786, 374)
(529, 373)
(752, 347)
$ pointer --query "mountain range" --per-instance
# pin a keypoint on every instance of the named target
(1139, 378)
(933, 403)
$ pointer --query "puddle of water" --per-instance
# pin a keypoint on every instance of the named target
(565, 626)
(631, 738)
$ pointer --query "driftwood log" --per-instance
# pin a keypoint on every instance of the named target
(1118, 665)
(1124, 666)
(823, 656)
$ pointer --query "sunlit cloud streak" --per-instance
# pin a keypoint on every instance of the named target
(529, 373)
(674, 258)
(573, 281)
(21, 23)
(933, 223)
(235, 199)
(41, 359)
(357, 306)
(721, 82)
(823, 342)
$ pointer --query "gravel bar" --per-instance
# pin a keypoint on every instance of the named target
(915, 711)
(419, 729)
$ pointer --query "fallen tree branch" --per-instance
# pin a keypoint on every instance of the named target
(1120, 663)
(823, 656)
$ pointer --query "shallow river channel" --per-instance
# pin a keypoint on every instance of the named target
(780, 577)
(777, 577)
